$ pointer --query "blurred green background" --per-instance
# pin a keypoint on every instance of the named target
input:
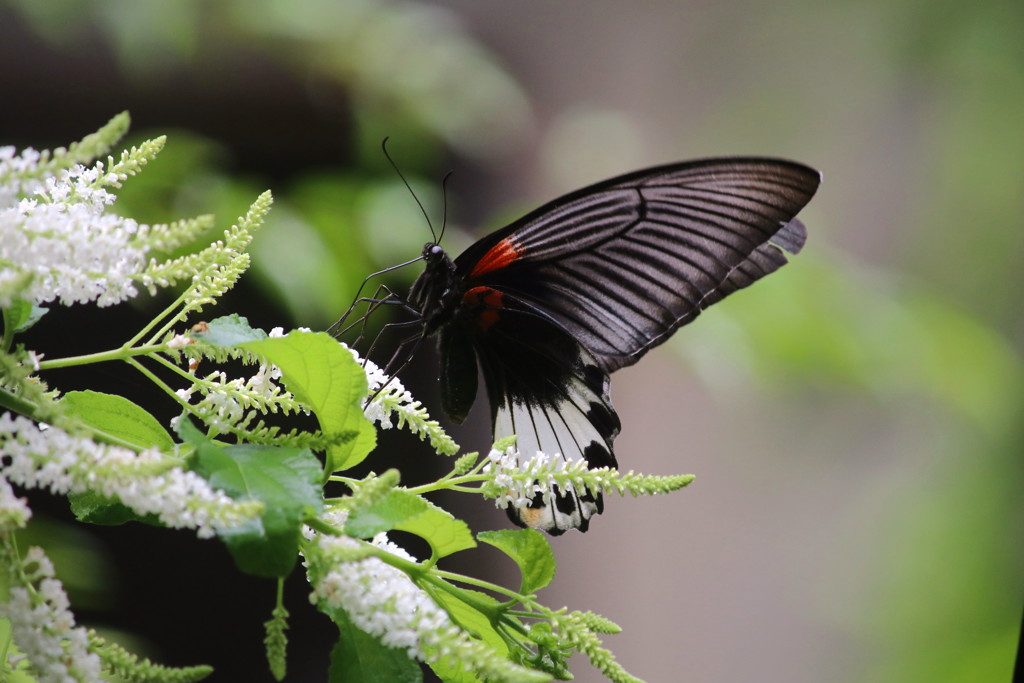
(855, 421)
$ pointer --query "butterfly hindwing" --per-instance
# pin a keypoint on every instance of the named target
(458, 372)
(545, 388)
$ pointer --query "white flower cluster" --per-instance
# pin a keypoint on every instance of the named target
(383, 601)
(376, 410)
(17, 174)
(53, 459)
(224, 405)
(14, 511)
(515, 482)
(43, 626)
(395, 400)
(56, 240)
(380, 599)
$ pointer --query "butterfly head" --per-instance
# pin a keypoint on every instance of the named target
(433, 254)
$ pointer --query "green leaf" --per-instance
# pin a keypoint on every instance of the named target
(93, 508)
(444, 533)
(229, 330)
(450, 672)
(406, 511)
(472, 620)
(323, 375)
(21, 315)
(387, 513)
(530, 550)
(117, 417)
(358, 657)
(286, 480)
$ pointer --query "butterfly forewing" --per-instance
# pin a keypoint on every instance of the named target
(624, 263)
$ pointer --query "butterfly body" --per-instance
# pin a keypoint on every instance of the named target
(550, 305)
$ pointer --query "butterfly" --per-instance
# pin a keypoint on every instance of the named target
(550, 305)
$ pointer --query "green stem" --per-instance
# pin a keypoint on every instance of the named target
(453, 484)
(157, 381)
(156, 321)
(175, 368)
(479, 583)
(488, 609)
(280, 595)
(318, 525)
(18, 405)
(123, 353)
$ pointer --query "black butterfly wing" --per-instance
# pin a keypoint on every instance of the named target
(622, 264)
(554, 302)
(543, 386)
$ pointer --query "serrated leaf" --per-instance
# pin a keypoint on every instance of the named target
(228, 330)
(117, 417)
(358, 657)
(387, 513)
(530, 550)
(324, 376)
(285, 480)
(444, 533)
(406, 511)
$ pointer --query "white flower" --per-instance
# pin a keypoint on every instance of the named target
(16, 174)
(43, 627)
(14, 511)
(224, 402)
(383, 601)
(516, 481)
(145, 482)
(395, 400)
(178, 341)
(34, 358)
(59, 243)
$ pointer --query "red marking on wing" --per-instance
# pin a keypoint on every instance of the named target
(500, 255)
(489, 302)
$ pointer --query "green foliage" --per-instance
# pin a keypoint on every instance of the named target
(90, 147)
(19, 317)
(326, 378)
(358, 656)
(577, 633)
(287, 482)
(276, 641)
(116, 419)
(530, 550)
(129, 668)
(227, 473)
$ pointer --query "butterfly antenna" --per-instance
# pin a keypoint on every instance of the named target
(384, 147)
(444, 205)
